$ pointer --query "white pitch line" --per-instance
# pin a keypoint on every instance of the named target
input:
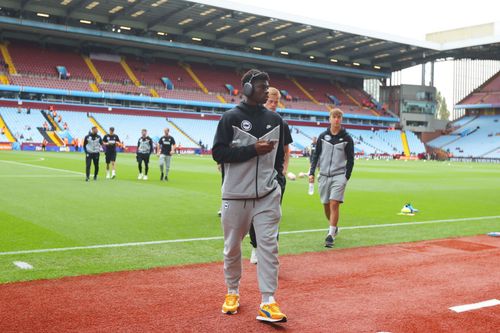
(42, 167)
(397, 224)
(187, 240)
(39, 176)
(22, 265)
(475, 306)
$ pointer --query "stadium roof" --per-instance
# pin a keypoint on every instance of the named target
(239, 27)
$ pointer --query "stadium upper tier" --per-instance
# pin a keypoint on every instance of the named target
(188, 132)
(41, 67)
(487, 94)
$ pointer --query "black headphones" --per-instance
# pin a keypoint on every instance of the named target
(248, 86)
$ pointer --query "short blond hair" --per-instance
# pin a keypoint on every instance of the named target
(271, 91)
(336, 112)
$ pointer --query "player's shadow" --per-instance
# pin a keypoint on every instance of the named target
(275, 326)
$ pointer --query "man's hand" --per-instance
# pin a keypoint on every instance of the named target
(264, 147)
(311, 178)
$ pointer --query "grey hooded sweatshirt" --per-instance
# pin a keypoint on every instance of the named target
(246, 174)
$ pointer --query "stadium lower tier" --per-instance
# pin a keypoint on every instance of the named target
(188, 132)
(473, 136)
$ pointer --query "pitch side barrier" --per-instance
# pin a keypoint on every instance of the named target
(475, 159)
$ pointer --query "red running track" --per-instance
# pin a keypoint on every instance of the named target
(396, 288)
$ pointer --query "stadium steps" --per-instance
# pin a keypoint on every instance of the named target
(4, 79)
(491, 151)
(467, 123)
(345, 92)
(406, 147)
(129, 72)
(7, 58)
(51, 137)
(195, 78)
(378, 149)
(92, 69)
(387, 142)
(98, 125)
(221, 99)
(303, 133)
(450, 142)
(304, 90)
(93, 87)
(7, 132)
(53, 123)
(153, 92)
(174, 125)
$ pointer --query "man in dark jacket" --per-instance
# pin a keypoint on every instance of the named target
(249, 147)
(335, 155)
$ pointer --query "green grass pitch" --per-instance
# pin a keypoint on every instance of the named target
(45, 203)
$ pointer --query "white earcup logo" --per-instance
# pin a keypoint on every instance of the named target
(246, 125)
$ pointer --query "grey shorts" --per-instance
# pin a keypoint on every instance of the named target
(332, 188)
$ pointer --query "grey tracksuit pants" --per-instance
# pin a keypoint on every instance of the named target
(164, 163)
(237, 216)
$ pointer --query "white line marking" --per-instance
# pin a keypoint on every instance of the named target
(42, 167)
(39, 176)
(22, 265)
(187, 240)
(475, 306)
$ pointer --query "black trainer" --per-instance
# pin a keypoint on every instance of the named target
(87, 179)
(161, 177)
(166, 178)
(329, 241)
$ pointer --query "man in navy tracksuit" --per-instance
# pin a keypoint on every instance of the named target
(249, 145)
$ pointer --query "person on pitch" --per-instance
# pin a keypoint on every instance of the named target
(335, 155)
(249, 146)
(273, 100)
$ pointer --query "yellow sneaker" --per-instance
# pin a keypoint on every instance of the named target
(231, 304)
(271, 313)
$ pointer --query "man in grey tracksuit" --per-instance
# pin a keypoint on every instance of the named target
(248, 145)
(92, 147)
(166, 146)
(335, 155)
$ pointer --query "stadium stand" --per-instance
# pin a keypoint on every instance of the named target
(49, 82)
(125, 88)
(487, 93)
(129, 128)
(30, 59)
(477, 138)
(78, 123)
(22, 125)
(215, 78)
(199, 130)
(111, 71)
(150, 74)
(37, 67)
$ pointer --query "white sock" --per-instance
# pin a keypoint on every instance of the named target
(267, 299)
(113, 172)
(331, 230)
(231, 291)
(107, 173)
